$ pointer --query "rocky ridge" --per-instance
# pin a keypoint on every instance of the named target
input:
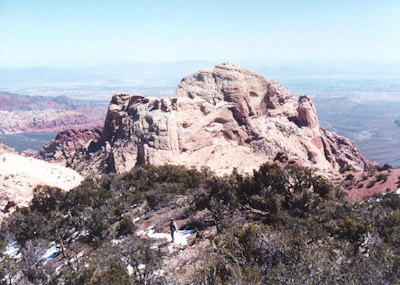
(46, 114)
(225, 118)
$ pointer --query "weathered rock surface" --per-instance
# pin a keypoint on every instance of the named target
(20, 175)
(46, 114)
(69, 144)
(225, 117)
(6, 149)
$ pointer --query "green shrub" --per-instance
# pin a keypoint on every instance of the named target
(76, 278)
(391, 229)
(391, 200)
(384, 167)
(382, 177)
(346, 168)
(46, 199)
(126, 227)
(116, 274)
(27, 225)
(322, 186)
(351, 229)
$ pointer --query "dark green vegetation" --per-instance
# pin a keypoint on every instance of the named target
(277, 226)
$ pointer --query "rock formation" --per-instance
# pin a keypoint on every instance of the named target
(68, 144)
(20, 175)
(46, 114)
(225, 117)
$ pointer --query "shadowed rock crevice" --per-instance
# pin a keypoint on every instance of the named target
(140, 160)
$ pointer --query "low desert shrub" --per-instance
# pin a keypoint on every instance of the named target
(126, 227)
(351, 229)
(391, 229)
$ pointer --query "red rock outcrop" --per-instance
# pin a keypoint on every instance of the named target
(225, 117)
(46, 114)
(68, 144)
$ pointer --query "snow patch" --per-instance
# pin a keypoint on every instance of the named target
(50, 253)
(12, 250)
(80, 254)
(180, 236)
(130, 269)
(159, 272)
(116, 241)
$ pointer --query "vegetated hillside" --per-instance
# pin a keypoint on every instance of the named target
(361, 185)
(276, 226)
(19, 113)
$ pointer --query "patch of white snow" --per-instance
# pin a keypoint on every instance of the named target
(130, 269)
(160, 272)
(12, 250)
(116, 241)
(50, 253)
(80, 254)
(180, 237)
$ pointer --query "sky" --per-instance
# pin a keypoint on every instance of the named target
(49, 33)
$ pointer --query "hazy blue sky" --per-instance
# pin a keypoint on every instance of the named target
(51, 33)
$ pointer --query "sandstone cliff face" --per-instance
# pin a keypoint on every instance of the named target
(225, 117)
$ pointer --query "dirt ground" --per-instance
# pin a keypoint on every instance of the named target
(360, 185)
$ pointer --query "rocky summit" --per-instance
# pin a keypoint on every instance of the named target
(225, 118)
